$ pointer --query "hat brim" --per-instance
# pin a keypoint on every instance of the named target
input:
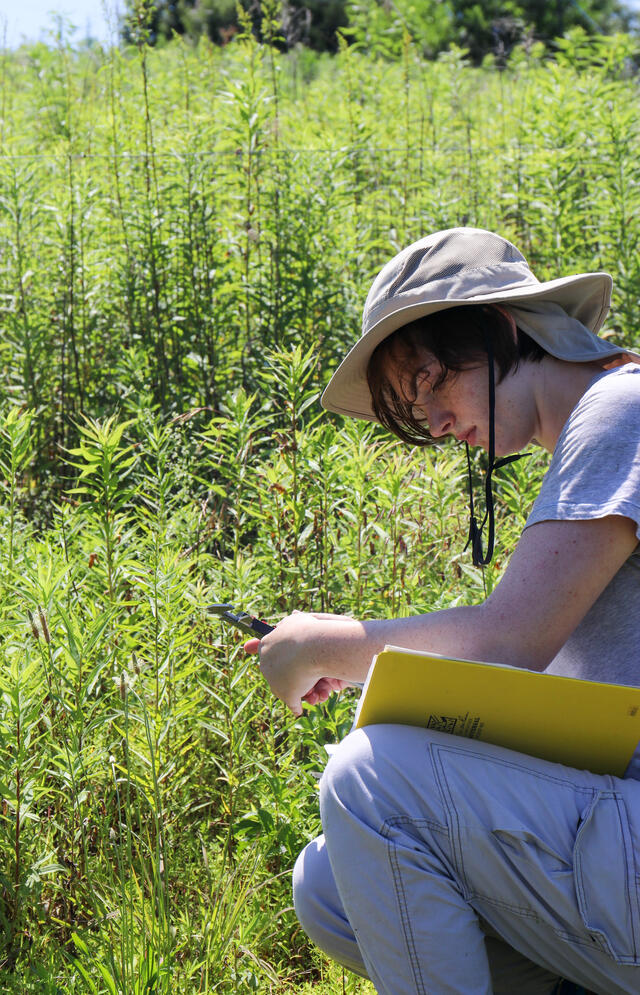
(585, 296)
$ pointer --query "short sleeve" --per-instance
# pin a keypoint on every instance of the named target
(595, 468)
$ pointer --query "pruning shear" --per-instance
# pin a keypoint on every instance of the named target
(248, 623)
(241, 619)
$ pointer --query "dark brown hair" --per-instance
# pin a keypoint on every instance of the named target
(457, 338)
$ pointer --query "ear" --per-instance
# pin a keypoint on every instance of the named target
(506, 313)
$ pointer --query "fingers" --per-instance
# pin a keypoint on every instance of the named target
(319, 692)
(252, 645)
(323, 689)
(316, 696)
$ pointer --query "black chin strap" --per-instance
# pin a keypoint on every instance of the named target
(475, 530)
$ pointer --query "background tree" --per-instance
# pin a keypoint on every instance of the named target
(313, 23)
(382, 26)
(495, 27)
(483, 28)
(164, 18)
(487, 27)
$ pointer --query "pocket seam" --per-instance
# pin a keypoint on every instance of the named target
(438, 751)
(599, 936)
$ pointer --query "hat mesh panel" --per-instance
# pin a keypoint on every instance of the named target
(454, 254)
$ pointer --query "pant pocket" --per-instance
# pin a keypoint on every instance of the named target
(533, 849)
(605, 878)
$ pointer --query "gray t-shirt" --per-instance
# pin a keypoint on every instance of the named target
(594, 472)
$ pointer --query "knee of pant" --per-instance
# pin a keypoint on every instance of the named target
(302, 888)
(383, 765)
(319, 909)
(347, 771)
(311, 874)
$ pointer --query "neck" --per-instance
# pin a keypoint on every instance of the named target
(558, 386)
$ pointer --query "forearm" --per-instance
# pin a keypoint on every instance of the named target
(555, 575)
(469, 632)
(306, 651)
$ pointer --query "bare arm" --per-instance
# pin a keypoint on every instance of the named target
(557, 571)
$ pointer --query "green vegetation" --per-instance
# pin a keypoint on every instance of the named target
(187, 236)
(490, 27)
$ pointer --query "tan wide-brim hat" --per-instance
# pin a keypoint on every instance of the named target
(471, 266)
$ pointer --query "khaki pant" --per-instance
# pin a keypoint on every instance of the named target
(452, 867)
(321, 915)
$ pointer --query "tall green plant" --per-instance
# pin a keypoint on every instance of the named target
(104, 463)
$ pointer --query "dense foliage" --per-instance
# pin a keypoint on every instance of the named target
(490, 27)
(313, 23)
(186, 239)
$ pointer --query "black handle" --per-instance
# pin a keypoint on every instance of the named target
(242, 620)
(260, 628)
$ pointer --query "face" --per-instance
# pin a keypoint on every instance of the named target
(460, 405)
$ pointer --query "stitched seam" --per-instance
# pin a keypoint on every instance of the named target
(457, 848)
(628, 858)
(565, 934)
(578, 872)
(509, 763)
(455, 840)
(401, 820)
(507, 906)
(598, 936)
(392, 852)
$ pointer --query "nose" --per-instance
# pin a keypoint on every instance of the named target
(441, 421)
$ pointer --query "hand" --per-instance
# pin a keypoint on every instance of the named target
(321, 690)
(294, 658)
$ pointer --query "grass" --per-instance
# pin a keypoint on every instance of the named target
(154, 795)
(187, 237)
